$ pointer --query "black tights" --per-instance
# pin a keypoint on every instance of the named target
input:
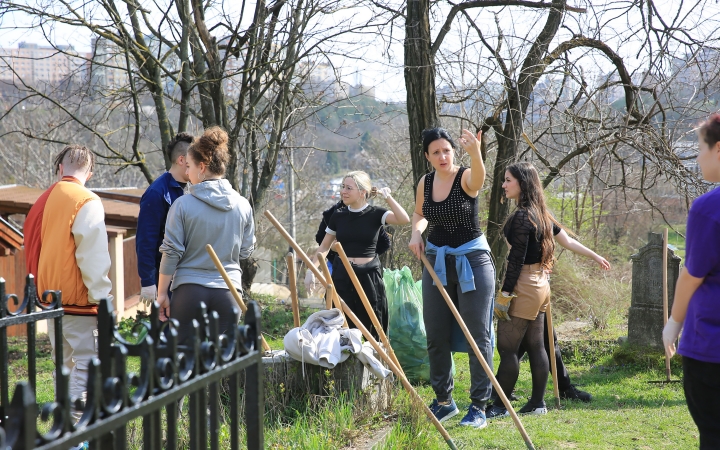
(510, 334)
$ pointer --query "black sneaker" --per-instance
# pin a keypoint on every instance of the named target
(531, 409)
(573, 393)
(495, 412)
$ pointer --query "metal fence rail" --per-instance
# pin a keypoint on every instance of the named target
(168, 372)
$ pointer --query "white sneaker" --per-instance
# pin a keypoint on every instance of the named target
(531, 409)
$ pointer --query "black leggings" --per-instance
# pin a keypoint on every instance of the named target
(701, 382)
(371, 280)
(529, 333)
(186, 299)
(563, 375)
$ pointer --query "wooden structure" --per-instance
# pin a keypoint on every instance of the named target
(122, 207)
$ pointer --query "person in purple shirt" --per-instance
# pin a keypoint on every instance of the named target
(697, 297)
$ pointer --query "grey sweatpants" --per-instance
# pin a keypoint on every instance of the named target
(476, 309)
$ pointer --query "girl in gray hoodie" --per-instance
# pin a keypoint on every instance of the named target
(213, 213)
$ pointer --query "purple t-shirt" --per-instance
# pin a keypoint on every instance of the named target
(701, 332)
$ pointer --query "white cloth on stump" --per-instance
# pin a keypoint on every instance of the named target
(322, 341)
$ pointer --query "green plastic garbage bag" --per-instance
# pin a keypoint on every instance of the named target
(406, 329)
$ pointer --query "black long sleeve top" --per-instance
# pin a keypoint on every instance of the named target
(522, 235)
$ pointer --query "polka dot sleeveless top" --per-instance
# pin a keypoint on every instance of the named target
(453, 221)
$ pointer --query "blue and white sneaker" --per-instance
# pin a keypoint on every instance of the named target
(444, 412)
(81, 446)
(475, 418)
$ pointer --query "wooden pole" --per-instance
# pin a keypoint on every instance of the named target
(553, 363)
(479, 355)
(665, 295)
(363, 298)
(233, 291)
(399, 373)
(290, 258)
(333, 296)
(297, 249)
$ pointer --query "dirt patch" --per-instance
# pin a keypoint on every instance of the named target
(573, 331)
(17, 347)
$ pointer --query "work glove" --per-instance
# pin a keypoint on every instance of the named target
(312, 286)
(148, 294)
(502, 305)
(670, 334)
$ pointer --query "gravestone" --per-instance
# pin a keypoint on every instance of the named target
(645, 320)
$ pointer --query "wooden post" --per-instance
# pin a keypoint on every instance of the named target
(665, 295)
(117, 274)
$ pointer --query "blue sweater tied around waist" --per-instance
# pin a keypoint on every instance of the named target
(462, 265)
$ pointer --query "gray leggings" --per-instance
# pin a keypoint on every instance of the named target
(186, 299)
(476, 308)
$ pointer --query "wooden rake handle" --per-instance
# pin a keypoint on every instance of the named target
(479, 355)
(553, 362)
(233, 291)
(303, 256)
(290, 258)
(332, 295)
(399, 373)
(364, 299)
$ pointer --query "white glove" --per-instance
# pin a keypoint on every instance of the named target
(148, 294)
(670, 335)
(310, 283)
(384, 192)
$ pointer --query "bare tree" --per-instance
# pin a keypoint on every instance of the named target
(185, 64)
(537, 40)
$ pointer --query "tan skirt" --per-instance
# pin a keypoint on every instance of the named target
(533, 293)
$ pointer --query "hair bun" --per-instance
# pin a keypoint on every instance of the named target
(216, 135)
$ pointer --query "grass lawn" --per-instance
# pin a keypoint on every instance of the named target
(627, 412)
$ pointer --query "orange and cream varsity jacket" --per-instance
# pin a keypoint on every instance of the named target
(72, 249)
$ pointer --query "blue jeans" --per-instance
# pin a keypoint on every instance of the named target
(476, 309)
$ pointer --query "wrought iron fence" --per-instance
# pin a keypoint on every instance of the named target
(168, 373)
(29, 312)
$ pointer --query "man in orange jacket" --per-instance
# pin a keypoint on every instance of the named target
(67, 250)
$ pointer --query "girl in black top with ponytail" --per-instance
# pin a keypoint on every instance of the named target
(525, 294)
(357, 227)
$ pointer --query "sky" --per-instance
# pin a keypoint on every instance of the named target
(378, 60)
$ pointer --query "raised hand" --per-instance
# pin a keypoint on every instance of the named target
(470, 143)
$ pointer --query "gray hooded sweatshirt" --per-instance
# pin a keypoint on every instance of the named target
(213, 213)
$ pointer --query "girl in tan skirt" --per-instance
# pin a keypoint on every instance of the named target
(521, 304)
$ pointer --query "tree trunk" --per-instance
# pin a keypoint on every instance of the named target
(518, 99)
(419, 81)
(498, 210)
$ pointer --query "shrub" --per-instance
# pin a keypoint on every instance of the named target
(580, 289)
